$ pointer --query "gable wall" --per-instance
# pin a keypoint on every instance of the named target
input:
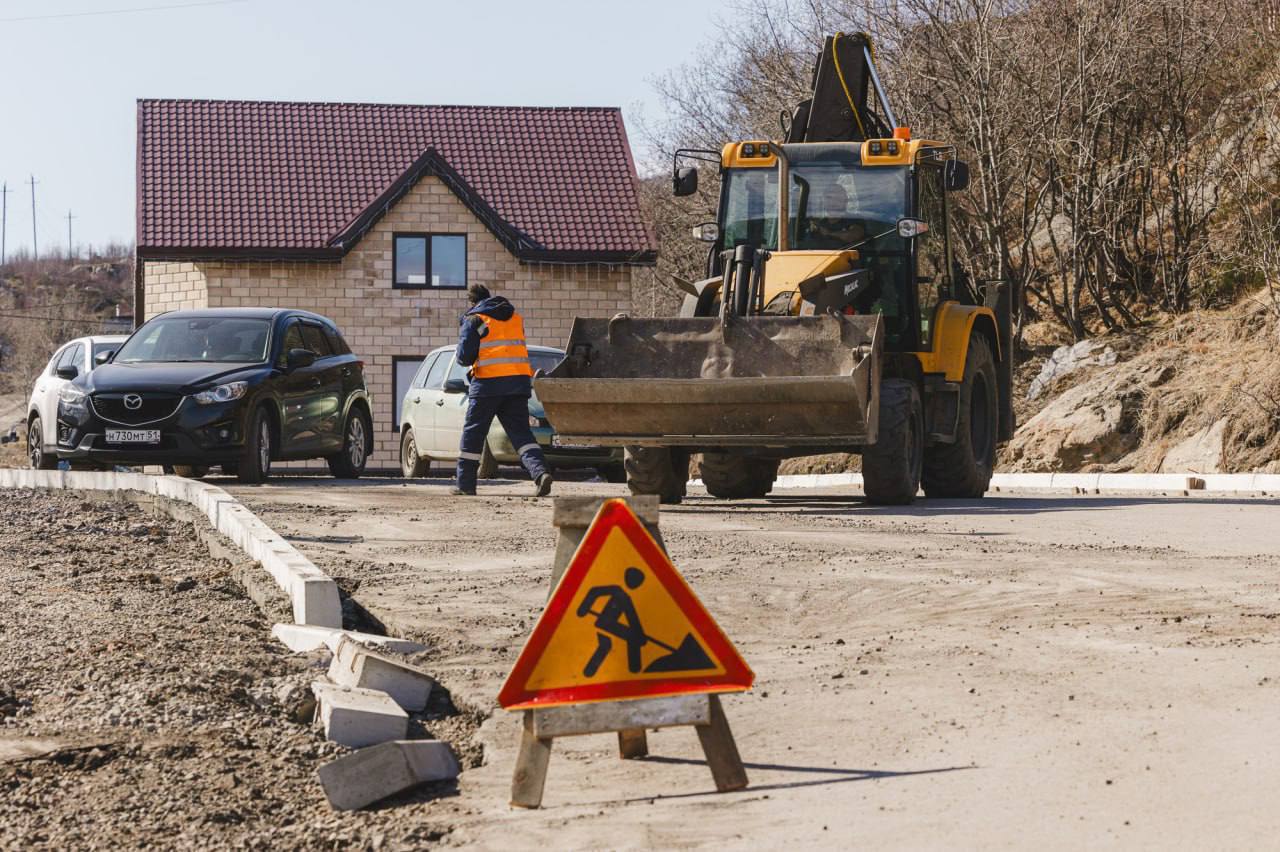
(381, 323)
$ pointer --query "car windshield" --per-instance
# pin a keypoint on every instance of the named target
(215, 339)
(545, 361)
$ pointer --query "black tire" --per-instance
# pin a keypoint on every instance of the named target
(412, 465)
(255, 461)
(40, 460)
(963, 469)
(891, 466)
(616, 473)
(657, 470)
(356, 437)
(731, 477)
(488, 464)
(191, 471)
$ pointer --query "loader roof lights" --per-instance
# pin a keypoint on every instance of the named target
(754, 153)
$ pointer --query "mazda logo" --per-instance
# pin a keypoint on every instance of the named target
(132, 401)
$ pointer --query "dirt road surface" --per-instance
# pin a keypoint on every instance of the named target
(1031, 670)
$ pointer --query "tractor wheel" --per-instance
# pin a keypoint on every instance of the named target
(963, 469)
(657, 470)
(891, 466)
(731, 477)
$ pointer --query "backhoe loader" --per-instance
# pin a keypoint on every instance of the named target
(832, 318)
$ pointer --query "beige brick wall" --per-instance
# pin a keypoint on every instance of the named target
(174, 287)
(381, 323)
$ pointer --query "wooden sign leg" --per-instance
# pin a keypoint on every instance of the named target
(531, 767)
(721, 751)
(632, 744)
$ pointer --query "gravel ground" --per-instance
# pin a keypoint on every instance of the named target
(179, 722)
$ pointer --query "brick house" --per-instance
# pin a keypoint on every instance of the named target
(379, 215)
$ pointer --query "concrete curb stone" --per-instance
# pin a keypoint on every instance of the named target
(313, 594)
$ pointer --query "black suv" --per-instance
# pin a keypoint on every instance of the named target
(239, 387)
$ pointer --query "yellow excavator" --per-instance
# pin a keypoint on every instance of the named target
(832, 318)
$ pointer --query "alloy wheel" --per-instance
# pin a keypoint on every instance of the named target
(35, 451)
(355, 442)
(264, 446)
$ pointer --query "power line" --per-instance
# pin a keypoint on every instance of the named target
(106, 12)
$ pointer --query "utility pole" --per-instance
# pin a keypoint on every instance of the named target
(69, 249)
(4, 219)
(35, 247)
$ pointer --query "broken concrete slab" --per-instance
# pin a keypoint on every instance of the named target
(308, 637)
(371, 774)
(356, 666)
(356, 717)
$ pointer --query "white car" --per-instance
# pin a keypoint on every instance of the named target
(435, 409)
(72, 359)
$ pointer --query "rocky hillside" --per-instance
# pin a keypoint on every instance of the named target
(1199, 393)
(44, 303)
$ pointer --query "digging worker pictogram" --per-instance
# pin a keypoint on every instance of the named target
(618, 618)
(491, 341)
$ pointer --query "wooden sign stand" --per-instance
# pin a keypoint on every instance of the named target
(631, 718)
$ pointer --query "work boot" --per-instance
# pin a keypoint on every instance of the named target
(458, 492)
(544, 485)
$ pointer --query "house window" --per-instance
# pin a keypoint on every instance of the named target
(429, 260)
(404, 369)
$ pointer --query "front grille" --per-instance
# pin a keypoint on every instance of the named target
(154, 407)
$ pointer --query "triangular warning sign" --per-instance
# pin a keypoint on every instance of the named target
(621, 623)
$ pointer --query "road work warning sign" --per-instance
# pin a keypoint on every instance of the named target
(621, 623)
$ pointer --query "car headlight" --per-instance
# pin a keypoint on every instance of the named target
(71, 396)
(222, 393)
(73, 403)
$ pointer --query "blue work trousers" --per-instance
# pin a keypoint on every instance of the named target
(513, 413)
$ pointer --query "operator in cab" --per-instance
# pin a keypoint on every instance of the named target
(831, 227)
(491, 342)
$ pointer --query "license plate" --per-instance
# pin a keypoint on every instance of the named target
(559, 444)
(133, 436)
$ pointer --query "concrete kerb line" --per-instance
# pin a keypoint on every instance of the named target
(1237, 483)
(313, 594)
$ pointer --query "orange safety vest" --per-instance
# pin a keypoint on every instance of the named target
(502, 350)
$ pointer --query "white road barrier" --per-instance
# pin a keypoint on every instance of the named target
(313, 594)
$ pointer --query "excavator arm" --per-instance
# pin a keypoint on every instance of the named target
(848, 103)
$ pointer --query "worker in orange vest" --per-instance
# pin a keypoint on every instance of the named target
(491, 342)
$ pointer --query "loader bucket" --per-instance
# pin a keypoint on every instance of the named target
(760, 381)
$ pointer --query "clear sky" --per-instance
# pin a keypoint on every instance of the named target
(68, 83)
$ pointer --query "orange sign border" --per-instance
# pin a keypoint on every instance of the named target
(616, 514)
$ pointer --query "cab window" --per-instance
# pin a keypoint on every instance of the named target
(930, 249)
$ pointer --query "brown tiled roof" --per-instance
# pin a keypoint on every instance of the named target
(271, 179)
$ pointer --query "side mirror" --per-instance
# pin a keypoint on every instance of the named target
(455, 386)
(908, 228)
(955, 176)
(707, 232)
(103, 357)
(299, 358)
(69, 372)
(685, 181)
